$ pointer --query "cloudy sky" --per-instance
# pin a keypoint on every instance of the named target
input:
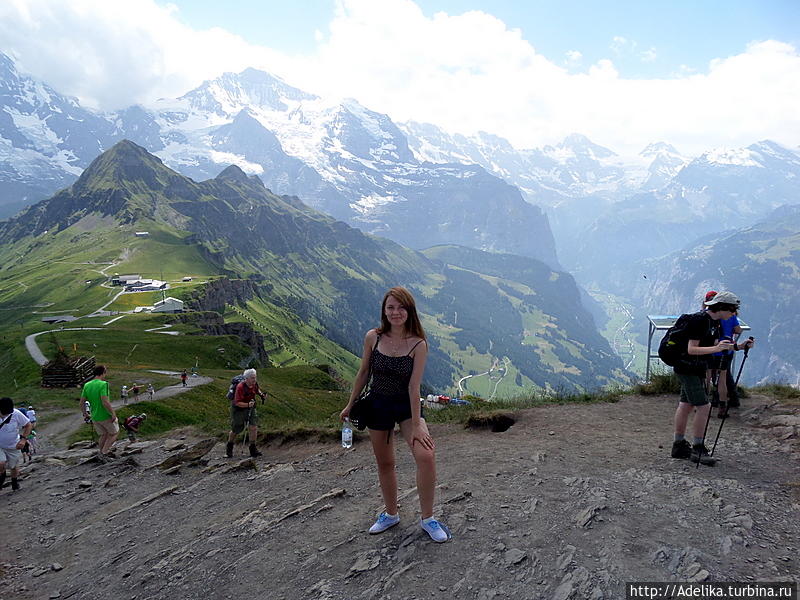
(695, 74)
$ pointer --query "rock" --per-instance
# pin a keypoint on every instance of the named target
(140, 445)
(172, 445)
(39, 572)
(563, 591)
(55, 461)
(585, 517)
(200, 449)
(55, 594)
(701, 576)
(565, 559)
(365, 562)
(82, 445)
(84, 484)
(725, 544)
(514, 556)
(172, 470)
(56, 566)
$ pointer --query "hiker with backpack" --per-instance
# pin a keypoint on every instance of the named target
(131, 425)
(12, 440)
(242, 394)
(685, 347)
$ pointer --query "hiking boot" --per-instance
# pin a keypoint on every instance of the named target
(254, 451)
(383, 523)
(14, 484)
(438, 532)
(229, 449)
(734, 403)
(2, 479)
(723, 410)
(681, 449)
(700, 454)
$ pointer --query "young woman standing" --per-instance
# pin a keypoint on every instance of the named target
(395, 355)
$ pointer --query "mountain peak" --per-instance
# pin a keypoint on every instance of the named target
(124, 166)
(658, 148)
(583, 146)
(231, 92)
(233, 173)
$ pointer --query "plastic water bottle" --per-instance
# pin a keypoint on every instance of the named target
(347, 434)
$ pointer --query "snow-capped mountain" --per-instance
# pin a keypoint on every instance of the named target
(720, 190)
(339, 157)
(665, 163)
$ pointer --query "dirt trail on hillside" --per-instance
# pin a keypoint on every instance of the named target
(571, 502)
(52, 435)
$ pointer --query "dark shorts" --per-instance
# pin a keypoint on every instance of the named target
(239, 418)
(693, 389)
(385, 411)
(721, 363)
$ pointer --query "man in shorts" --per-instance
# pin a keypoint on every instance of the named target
(102, 414)
(11, 442)
(703, 334)
(243, 412)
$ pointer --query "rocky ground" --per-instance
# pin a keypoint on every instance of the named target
(570, 502)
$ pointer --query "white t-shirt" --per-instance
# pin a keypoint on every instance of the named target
(9, 433)
(31, 414)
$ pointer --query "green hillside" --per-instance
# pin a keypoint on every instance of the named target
(308, 285)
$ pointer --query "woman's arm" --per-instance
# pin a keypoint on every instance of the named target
(419, 431)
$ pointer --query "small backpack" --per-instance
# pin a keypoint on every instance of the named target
(232, 389)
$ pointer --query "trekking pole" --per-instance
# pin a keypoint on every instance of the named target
(246, 429)
(735, 385)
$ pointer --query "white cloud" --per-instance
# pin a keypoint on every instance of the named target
(649, 55)
(573, 58)
(619, 45)
(466, 73)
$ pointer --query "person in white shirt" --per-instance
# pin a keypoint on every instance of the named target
(11, 443)
(31, 414)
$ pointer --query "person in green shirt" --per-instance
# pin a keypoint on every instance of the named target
(100, 411)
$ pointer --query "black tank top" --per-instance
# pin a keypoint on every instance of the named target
(391, 374)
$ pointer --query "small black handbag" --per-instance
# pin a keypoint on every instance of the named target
(362, 407)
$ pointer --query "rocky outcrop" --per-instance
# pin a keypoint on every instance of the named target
(212, 323)
(217, 293)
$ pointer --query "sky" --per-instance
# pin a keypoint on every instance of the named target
(697, 74)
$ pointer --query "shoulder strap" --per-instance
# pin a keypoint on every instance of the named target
(8, 420)
(414, 346)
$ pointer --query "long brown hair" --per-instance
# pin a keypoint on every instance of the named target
(404, 297)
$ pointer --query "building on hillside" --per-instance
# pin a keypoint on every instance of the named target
(187, 278)
(146, 285)
(141, 233)
(168, 305)
(58, 319)
(124, 279)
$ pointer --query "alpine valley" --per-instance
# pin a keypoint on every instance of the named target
(308, 285)
(290, 226)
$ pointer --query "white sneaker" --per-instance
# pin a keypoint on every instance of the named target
(384, 522)
(437, 531)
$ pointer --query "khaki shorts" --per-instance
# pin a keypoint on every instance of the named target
(240, 418)
(109, 426)
(10, 456)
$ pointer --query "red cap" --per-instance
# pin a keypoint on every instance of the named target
(710, 294)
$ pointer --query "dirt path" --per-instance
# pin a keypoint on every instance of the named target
(52, 435)
(570, 502)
